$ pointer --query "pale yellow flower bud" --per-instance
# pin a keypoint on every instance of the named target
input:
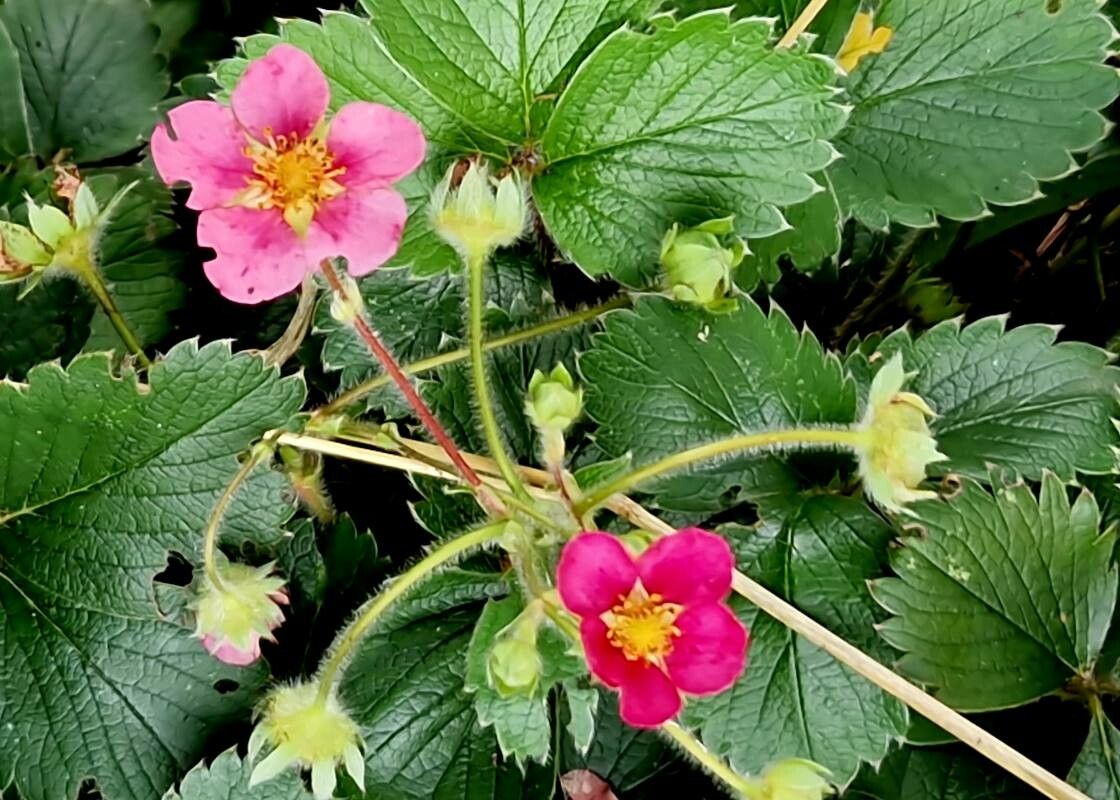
(307, 731)
(896, 445)
(481, 214)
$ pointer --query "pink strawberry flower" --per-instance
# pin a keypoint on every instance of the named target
(281, 188)
(656, 626)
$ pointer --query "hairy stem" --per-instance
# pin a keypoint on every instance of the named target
(863, 312)
(449, 551)
(210, 538)
(92, 278)
(714, 765)
(427, 418)
(356, 393)
(809, 437)
(476, 268)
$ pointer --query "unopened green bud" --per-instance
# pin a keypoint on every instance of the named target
(347, 305)
(554, 401)
(698, 266)
(795, 779)
(514, 667)
(481, 214)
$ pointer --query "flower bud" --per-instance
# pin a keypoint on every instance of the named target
(514, 666)
(347, 305)
(238, 610)
(553, 402)
(795, 779)
(20, 252)
(698, 268)
(309, 730)
(896, 444)
(481, 214)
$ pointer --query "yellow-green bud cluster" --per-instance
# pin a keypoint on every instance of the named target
(699, 265)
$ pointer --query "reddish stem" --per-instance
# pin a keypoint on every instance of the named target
(373, 342)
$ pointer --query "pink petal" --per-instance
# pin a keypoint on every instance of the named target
(607, 663)
(711, 652)
(227, 653)
(207, 152)
(259, 255)
(595, 571)
(375, 144)
(649, 698)
(284, 93)
(690, 566)
(362, 226)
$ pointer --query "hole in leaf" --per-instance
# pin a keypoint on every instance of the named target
(226, 686)
(89, 790)
(178, 572)
(1053, 6)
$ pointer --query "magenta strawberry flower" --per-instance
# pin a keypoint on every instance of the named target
(279, 186)
(655, 627)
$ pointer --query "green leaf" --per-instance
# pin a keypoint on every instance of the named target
(404, 686)
(697, 120)
(973, 102)
(1001, 599)
(924, 773)
(77, 75)
(1097, 769)
(227, 778)
(489, 61)
(140, 259)
(50, 322)
(1011, 398)
(663, 377)
(104, 478)
(829, 26)
(421, 318)
(583, 704)
(813, 239)
(520, 722)
(795, 699)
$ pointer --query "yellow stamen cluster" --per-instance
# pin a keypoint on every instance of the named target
(293, 174)
(642, 626)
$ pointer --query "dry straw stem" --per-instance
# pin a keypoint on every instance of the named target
(966, 731)
(802, 23)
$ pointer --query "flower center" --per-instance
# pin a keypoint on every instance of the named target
(293, 174)
(642, 626)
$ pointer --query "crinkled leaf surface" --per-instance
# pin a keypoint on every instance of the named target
(103, 477)
(405, 689)
(1012, 398)
(422, 318)
(1002, 598)
(491, 60)
(1097, 769)
(139, 259)
(972, 103)
(227, 778)
(699, 119)
(663, 378)
(77, 75)
(795, 700)
(926, 773)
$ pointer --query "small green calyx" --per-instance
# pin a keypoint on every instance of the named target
(699, 263)
(795, 779)
(514, 667)
(554, 402)
(21, 252)
(480, 214)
